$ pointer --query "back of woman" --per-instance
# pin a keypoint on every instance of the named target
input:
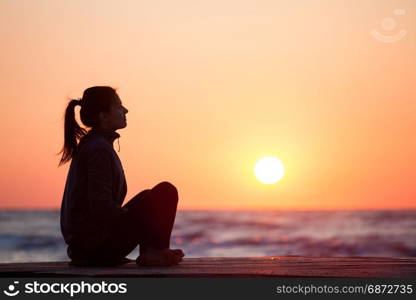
(87, 213)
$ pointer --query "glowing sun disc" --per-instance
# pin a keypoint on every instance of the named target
(269, 170)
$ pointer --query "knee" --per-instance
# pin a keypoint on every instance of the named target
(168, 188)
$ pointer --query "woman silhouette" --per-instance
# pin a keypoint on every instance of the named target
(96, 227)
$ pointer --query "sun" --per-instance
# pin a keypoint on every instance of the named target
(269, 170)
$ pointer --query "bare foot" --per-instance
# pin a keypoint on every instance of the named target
(160, 257)
(178, 252)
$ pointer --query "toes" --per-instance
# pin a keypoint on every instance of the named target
(165, 257)
(178, 252)
(173, 257)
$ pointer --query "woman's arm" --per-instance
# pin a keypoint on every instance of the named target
(100, 188)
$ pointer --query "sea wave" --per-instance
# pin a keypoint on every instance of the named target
(35, 235)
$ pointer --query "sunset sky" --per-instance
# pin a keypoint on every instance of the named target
(213, 86)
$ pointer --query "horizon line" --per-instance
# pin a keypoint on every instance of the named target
(238, 209)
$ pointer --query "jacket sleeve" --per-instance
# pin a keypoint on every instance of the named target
(100, 188)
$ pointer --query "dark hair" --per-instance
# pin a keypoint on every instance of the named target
(95, 99)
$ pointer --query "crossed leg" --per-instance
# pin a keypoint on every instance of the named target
(149, 223)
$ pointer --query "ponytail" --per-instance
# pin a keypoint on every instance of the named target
(94, 100)
(72, 132)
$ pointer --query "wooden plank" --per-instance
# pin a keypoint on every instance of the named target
(270, 266)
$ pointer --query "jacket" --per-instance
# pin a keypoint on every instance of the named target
(94, 192)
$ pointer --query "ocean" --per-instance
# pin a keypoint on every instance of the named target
(34, 236)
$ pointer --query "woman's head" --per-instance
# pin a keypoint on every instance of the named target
(101, 108)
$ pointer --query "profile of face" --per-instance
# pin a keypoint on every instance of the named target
(116, 117)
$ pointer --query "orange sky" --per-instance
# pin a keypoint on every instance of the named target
(212, 86)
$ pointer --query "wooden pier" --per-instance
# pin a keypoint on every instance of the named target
(270, 266)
